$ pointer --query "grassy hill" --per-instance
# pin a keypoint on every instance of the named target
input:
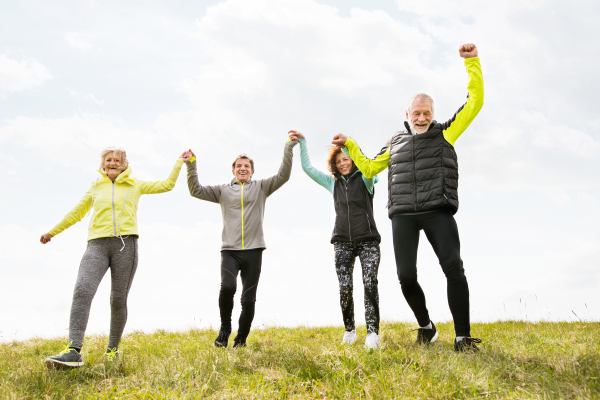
(517, 360)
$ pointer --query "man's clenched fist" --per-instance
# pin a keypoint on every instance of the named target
(468, 50)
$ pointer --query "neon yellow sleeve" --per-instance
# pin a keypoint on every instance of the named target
(76, 214)
(368, 167)
(455, 126)
(162, 186)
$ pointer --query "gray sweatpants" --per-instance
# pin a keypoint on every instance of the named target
(101, 254)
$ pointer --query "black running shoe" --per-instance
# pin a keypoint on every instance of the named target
(467, 344)
(223, 338)
(66, 359)
(426, 336)
(239, 341)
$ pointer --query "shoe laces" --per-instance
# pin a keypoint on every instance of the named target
(112, 354)
(223, 335)
(470, 340)
(67, 349)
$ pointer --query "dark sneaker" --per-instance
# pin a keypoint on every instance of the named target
(112, 355)
(467, 344)
(239, 341)
(426, 336)
(223, 338)
(68, 358)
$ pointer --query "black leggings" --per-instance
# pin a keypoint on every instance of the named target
(442, 232)
(247, 263)
(369, 255)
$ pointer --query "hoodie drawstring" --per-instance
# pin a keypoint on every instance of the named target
(120, 214)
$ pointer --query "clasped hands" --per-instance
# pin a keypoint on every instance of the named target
(339, 140)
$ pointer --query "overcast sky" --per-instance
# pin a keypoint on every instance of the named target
(225, 77)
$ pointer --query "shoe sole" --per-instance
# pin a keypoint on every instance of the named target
(55, 364)
(435, 337)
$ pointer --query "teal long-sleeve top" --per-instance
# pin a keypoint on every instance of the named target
(323, 179)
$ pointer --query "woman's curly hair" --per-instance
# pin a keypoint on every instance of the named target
(331, 157)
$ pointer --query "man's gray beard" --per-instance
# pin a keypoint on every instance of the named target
(413, 130)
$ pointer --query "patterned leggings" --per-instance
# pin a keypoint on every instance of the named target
(369, 255)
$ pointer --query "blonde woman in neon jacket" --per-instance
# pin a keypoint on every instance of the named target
(112, 243)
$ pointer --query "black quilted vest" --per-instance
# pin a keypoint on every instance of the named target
(423, 172)
(353, 211)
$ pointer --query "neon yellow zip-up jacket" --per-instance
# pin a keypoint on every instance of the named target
(115, 204)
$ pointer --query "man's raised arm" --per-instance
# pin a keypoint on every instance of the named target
(209, 193)
(273, 183)
(368, 167)
(456, 125)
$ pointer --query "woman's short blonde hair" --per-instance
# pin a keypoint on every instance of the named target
(114, 149)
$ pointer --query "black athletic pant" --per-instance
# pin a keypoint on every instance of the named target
(442, 232)
(247, 263)
(369, 255)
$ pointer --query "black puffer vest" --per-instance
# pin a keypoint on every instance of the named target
(353, 211)
(423, 172)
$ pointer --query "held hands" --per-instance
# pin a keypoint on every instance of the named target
(46, 237)
(339, 140)
(468, 50)
(295, 135)
(187, 155)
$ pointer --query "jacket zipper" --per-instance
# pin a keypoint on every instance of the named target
(414, 171)
(348, 204)
(113, 206)
(242, 216)
(369, 222)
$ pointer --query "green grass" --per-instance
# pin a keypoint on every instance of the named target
(517, 360)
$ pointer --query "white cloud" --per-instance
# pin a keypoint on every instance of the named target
(75, 40)
(16, 76)
(89, 97)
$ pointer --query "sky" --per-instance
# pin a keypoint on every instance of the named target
(233, 76)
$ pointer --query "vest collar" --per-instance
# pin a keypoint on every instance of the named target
(350, 177)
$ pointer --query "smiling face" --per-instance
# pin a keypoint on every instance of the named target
(113, 165)
(420, 115)
(343, 163)
(242, 170)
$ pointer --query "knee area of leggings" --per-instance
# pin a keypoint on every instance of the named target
(248, 302)
(228, 289)
(81, 293)
(118, 301)
(454, 269)
(407, 280)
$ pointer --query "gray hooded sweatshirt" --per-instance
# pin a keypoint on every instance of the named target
(242, 205)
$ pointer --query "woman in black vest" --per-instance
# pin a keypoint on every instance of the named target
(354, 234)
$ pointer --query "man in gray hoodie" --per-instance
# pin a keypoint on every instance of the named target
(243, 207)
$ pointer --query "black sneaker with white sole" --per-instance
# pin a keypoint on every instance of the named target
(67, 359)
(466, 344)
(223, 339)
(426, 336)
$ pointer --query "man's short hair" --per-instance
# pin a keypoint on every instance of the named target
(245, 157)
(420, 97)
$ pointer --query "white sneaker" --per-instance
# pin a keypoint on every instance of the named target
(372, 341)
(349, 337)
